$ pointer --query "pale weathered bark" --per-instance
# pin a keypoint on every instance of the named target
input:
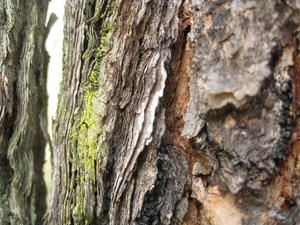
(22, 111)
(178, 112)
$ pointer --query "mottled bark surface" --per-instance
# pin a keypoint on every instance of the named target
(22, 111)
(178, 112)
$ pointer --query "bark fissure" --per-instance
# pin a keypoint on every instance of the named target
(159, 206)
(285, 186)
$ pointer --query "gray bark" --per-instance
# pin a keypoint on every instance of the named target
(22, 111)
(178, 112)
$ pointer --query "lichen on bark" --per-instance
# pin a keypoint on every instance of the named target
(85, 145)
(88, 141)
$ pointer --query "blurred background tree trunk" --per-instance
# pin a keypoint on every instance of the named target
(23, 103)
(178, 112)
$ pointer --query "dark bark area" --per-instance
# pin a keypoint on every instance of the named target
(23, 112)
(178, 112)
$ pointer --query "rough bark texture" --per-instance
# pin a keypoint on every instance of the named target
(178, 112)
(22, 111)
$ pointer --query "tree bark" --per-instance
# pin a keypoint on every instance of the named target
(178, 112)
(22, 111)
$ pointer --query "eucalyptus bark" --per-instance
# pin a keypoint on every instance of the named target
(178, 112)
(22, 111)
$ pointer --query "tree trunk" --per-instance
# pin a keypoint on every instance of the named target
(22, 111)
(178, 112)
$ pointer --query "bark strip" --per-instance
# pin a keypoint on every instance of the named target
(23, 109)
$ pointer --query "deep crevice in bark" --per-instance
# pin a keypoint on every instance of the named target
(174, 100)
(290, 172)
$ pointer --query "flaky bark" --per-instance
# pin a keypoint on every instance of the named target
(22, 111)
(178, 112)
